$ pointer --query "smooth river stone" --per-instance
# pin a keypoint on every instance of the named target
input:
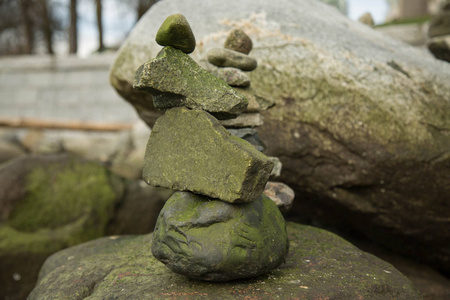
(217, 241)
(221, 57)
(188, 150)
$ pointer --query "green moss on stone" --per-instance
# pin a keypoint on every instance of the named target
(64, 204)
(190, 150)
(319, 265)
(56, 198)
(174, 79)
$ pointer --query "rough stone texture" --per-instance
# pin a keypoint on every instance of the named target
(213, 240)
(238, 41)
(281, 194)
(361, 122)
(430, 283)
(440, 24)
(319, 265)
(176, 32)
(244, 120)
(48, 203)
(189, 150)
(233, 77)
(222, 57)
(174, 79)
(251, 136)
(366, 19)
(440, 47)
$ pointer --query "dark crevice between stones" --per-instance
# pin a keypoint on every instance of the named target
(397, 68)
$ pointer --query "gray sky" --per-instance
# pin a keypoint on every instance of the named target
(119, 18)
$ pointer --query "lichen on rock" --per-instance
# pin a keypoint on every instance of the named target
(174, 79)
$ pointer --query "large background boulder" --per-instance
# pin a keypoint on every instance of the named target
(361, 124)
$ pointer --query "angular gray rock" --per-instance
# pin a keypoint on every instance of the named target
(213, 240)
(188, 150)
(361, 122)
(222, 57)
(319, 265)
(174, 79)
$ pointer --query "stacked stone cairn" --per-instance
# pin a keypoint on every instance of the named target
(231, 64)
(219, 225)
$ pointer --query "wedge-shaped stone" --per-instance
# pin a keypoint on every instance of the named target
(174, 79)
(188, 150)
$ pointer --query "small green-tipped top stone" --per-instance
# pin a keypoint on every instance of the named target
(175, 31)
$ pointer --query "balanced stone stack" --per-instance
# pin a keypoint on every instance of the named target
(230, 64)
(219, 225)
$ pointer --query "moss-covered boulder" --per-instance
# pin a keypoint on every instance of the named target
(176, 32)
(361, 122)
(212, 240)
(188, 150)
(174, 79)
(320, 265)
(48, 203)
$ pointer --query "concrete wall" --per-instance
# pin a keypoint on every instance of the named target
(61, 89)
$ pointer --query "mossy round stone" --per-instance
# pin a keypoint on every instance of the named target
(175, 31)
(212, 240)
(239, 41)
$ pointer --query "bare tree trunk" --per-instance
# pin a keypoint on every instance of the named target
(100, 25)
(25, 6)
(47, 26)
(143, 6)
(73, 30)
